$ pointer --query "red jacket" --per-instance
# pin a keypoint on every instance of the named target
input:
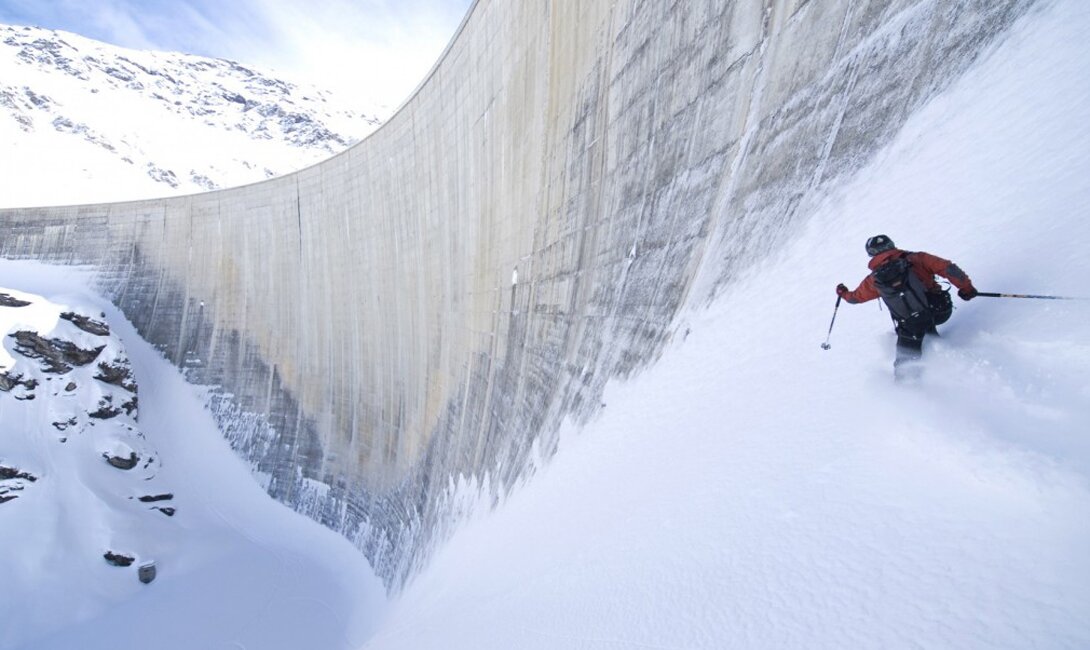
(925, 265)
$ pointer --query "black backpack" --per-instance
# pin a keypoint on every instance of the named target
(904, 293)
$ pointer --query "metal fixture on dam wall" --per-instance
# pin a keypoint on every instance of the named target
(428, 306)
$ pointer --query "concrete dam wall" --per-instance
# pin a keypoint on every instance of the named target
(426, 308)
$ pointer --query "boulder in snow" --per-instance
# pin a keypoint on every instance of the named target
(121, 461)
(9, 473)
(57, 355)
(117, 374)
(12, 479)
(11, 301)
(9, 381)
(118, 559)
(106, 409)
(86, 323)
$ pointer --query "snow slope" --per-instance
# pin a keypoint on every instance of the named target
(754, 491)
(748, 491)
(83, 121)
(235, 568)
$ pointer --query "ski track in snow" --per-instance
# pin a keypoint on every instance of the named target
(754, 491)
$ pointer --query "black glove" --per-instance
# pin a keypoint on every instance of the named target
(967, 294)
(841, 290)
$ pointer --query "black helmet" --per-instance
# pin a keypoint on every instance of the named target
(879, 244)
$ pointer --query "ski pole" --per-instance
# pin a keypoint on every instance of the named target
(825, 345)
(988, 294)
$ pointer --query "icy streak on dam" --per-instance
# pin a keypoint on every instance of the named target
(427, 307)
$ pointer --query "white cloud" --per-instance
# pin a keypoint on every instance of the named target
(372, 49)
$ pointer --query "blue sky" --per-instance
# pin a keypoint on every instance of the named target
(372, 50)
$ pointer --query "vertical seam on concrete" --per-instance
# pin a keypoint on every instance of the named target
(729, 180)
(849, 86)
(299, 218)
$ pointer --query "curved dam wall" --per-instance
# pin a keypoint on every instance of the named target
(425, 309)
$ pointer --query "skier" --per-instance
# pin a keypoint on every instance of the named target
(906, 283)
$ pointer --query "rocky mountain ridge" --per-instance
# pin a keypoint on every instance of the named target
(74, 106)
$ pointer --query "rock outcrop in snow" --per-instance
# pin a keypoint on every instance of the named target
(12, 481)
(68, 400)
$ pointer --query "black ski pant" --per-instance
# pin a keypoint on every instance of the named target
(910, 341)
(909, 347)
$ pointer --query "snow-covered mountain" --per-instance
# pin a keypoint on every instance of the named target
(97, 122)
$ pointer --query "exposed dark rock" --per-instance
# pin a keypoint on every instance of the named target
(87, 324)
(168, 511)
(70, 387)
(7, 100)
(105, 412)
(39, 101)
(57, 355)
(106, 409)
(203, 181)
(8, 381)
(13, 474)
(129, 406)
(122, 463)
(162, 175)
(118, 559)
(11, 301)
(119, 73)
(243, 69)
(65, 125)
(61, 426)
(148, 71)
(9, 473)
(152, 498)
(118, 374)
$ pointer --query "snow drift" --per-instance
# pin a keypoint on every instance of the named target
(754, 491)
(77, 520)
(428, 308)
